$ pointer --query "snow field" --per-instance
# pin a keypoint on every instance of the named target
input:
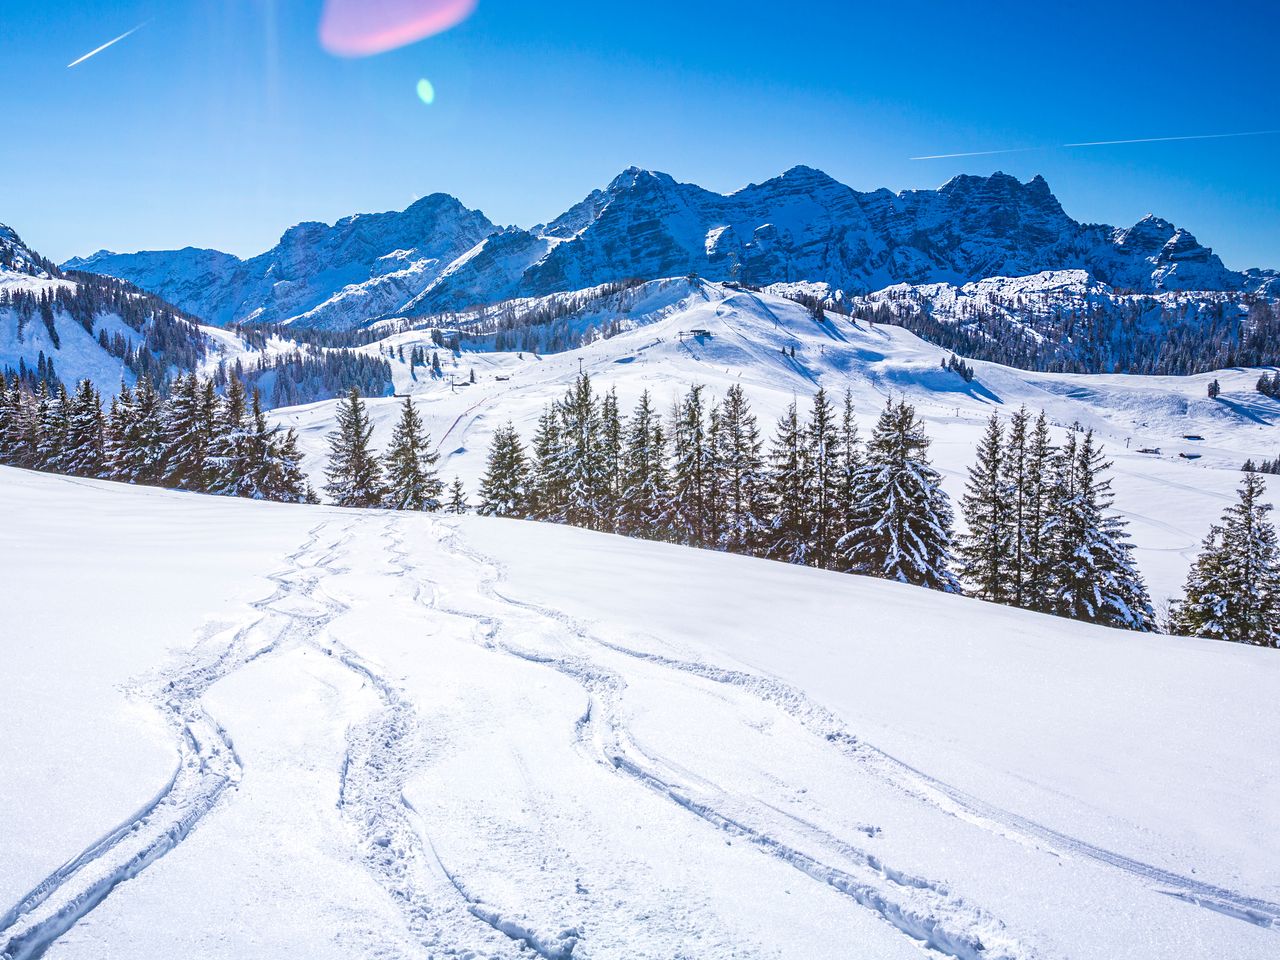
(484, 738)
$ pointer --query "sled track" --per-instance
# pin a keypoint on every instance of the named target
(916, 783)
(207, 766)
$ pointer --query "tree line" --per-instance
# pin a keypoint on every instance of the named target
(194, 439)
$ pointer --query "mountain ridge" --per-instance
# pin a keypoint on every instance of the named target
(803, 225)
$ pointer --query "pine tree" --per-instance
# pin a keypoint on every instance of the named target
(742, 488)
(354, 472)
(51, 427)
(611, 443)
(985, 551)
(1093, 572)
(138, 446)
(504, 489)
(287, 482)
(548, 494)
(789, 483)
(412, 480)
(850, 466)
(822, 442)
(85, 426)
(1233, 589)
(189, 428)
(690, 470)
(584, 470)
(645, 506)
(904, 517)
(1013, 478)
(229, 459)
(1037, 585)
(457, 497)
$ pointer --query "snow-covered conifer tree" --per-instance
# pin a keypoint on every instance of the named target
(790, 499)
(354, 472)
(412, 481)
(822, 442)
(85, 425)
(690, 473)
(645, 506)
(985, 551)
(742, 488)
(504, 489)
(457, 497)
(904, 517)
(1093, 572)
(1233, 589)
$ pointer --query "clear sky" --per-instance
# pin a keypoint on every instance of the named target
(221, 122)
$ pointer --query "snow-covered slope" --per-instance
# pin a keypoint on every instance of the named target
(74, 343)
(248, 730)
(748, 333)
(800, 226)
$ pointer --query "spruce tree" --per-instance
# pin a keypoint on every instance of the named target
(851, 463)
(189, 430)
(904, 517)
(1037, 584)
(645, 506)
(742, 489)
(1093, 572)
(354, 472)
(1233, 589)
(584, 470)
(1015, 479)
(822, 442)
(504, 489)
(412, 480)
(230, 453)
(611, 444)
(457, 497)
(690, 473)
(85, 426)
(789, 483)
(548, 493)
(139, 444)
(985, 550)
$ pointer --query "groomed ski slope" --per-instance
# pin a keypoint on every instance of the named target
(1169, 500)
(247, 730)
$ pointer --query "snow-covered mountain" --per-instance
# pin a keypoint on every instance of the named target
(68, 325)
(318, 275)
(801, 226)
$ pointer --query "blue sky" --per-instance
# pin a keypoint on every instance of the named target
(222, 122)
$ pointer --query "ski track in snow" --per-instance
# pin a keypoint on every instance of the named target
(900, 775)
(389, 747)
(207, 766)
(920, 909)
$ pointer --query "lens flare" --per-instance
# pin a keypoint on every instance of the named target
(360, 28)
(426, 91)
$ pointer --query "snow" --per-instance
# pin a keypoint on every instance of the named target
(1169, 501)
(428, 736)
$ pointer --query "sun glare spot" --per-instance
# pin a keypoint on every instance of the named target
(426, 91)
(360, 28)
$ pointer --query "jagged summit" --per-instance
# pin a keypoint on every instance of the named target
(802, 225)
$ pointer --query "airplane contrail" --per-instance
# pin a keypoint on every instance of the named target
(976, 153)
(1201, 136)
(94, 53)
